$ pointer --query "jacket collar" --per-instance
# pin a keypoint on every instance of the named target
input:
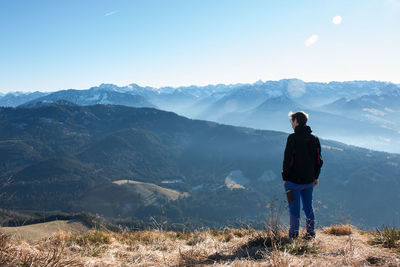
(302, 130)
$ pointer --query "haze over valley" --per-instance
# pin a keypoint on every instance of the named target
(360, 113)
(142, 163)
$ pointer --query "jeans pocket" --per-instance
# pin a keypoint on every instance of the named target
(290, 196)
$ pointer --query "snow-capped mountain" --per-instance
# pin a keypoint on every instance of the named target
(340, 110)
(104, 94)
(383, 109)
(317, 94)
(14, 99)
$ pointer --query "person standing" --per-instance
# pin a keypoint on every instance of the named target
(301, 168)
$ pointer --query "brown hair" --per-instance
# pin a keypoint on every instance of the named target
(301, 117)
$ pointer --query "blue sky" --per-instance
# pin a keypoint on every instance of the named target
(61, 44)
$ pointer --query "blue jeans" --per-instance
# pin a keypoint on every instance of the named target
(294, 193)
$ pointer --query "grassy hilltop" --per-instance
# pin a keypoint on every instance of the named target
(340, 245)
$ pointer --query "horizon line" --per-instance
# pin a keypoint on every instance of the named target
(197, 85)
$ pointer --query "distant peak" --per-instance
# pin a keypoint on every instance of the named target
(107, 85)
(259, 82)
(134, 85)
(17, 93)
(104, 86)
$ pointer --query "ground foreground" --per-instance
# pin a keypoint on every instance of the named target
(334, 246)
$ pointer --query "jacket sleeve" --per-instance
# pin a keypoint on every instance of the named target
(288, 159)
(319, 162)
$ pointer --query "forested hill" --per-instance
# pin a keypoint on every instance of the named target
(134, 163)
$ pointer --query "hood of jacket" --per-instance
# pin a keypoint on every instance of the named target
(302, 130)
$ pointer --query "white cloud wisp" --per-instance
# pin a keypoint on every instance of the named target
(337, 20)
(110, 13)
(311, 40)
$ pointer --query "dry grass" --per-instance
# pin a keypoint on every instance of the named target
(338, 230)
(228, 247)
(23, 254)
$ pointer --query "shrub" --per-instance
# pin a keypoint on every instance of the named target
(60, 238)
(136, 237)
(195, 239)
(3, 240)
(300, 247)
(183, 236)
(388, 237)
(91, 238)
(339, 230)
(242, 232)
(215, 232)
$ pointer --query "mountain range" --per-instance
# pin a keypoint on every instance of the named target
(362, 113)
(139, 163)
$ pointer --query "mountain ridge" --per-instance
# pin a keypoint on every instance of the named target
(233, 104)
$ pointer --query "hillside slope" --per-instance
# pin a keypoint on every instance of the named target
(66, 158)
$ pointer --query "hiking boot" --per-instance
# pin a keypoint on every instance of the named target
(309, 236)
(293, 236)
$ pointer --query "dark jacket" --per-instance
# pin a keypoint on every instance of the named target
(302, 161)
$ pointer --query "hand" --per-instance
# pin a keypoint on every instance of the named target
(284, 182)
(315, 183)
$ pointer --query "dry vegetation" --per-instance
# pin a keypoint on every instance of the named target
(334, 246)
(344, 229)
